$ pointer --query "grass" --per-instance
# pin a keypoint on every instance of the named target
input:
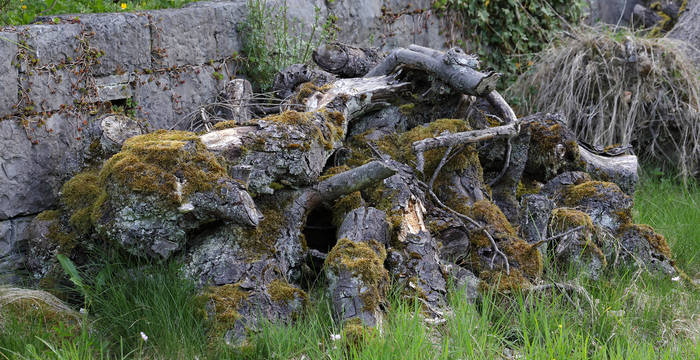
(620, 88)
(21, 12)
(633, 315)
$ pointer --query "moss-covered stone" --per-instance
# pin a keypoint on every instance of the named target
(172, 164)
(344, 205)
(503, 282)
(553, 150)
(355, 333)
(496, 223)
(581, 248)
(365, 260)
(225, 301)
(281, 291)
(589, 190)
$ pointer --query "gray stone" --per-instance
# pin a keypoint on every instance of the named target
(154, 101)
(48, 90)
(53, 43)
(192, 88)
(577, 249)
(13, 243)
(8, 74)
(183, 36)
(464, 280)
(113, 87)
(124, 38)
(31, 174)
(614, 12)
(535, 211)
(688, 30)
(643, 247)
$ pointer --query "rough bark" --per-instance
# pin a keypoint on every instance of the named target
(454, 68)
(346, 61)
(287, 80)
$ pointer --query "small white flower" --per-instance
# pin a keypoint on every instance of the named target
(677, 278)
(144, 336)
(83, 311)
(335, 337)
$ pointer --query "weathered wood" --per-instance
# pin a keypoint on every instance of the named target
(288, 79)
(454, 68)
(346, 61)
(466, 137)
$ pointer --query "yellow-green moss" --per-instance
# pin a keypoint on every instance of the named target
(527, 257)
(656, 241)
(546, 139)
(333, 171)
(80, 191)
(152, 163)
(407, 109)
(365, 260)
(261, 239)
(281, 291)
(567, 218)
(344, 205)
(526, 187)
(589, 190)
(32, 310)
(503, 282)
(225, 125)
(65, 241)
(226, 300)
(496, 223)
(355, 333)
(48, 215)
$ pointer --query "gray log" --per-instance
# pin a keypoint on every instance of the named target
(346, 61)
(454, 68)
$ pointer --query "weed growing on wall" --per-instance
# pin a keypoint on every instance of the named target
(505, 33)
(20, 12)
(271, 41)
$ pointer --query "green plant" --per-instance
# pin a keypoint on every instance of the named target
(506, 33)
(271, 42)
(20, 12)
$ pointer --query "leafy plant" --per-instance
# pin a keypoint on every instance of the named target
(271, 42)
(506, 33)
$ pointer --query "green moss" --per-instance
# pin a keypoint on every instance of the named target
(407, 109)
(365, 260)
(276, 186)
(656, 241)
(527, 257)
(66, 242)
(567, 218)
(80, 191)
(226, 300)
(544, 148)
(355, 333)
(503, 282)
(496, 223)
(261, 239)
(161, 162)
(281, 291)
(48, 215)
(344, 205)
(225, 125)
(599, 190)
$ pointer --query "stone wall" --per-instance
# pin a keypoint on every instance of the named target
(60, 76)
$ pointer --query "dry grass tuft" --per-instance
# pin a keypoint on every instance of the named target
(619, 88)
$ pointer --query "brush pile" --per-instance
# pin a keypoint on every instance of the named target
(416, 176)
(616, 88)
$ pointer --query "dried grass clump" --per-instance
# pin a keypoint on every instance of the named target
(619, 88)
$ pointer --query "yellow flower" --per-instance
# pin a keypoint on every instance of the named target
(123, 6)
(24, 7)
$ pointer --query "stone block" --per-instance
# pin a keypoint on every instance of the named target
(49, 90)
(154, 100)
(193, 88)
(113, 87)
(32, 173)
(53, 43)
(124, 38)
(8, 73)
(183, 36)
(13, 241)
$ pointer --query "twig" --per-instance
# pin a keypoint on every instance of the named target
(558, 236)
(509, 149)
